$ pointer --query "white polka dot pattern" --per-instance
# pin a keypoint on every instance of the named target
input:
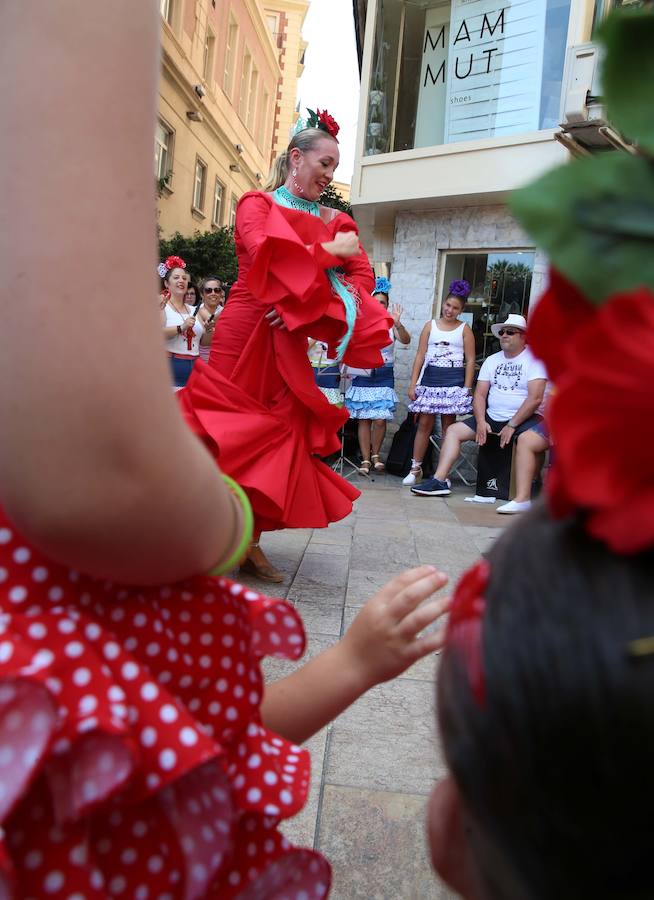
(145, 704)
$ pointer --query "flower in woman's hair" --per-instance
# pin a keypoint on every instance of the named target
(464, 629)
(328, 123)
(559, 313)
(175, 262)
(459, 289)
(602, 420)
(382, 285)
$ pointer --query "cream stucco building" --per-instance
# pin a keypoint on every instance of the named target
(229, 75)
(285, 19)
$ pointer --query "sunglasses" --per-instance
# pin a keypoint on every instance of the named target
(213, 290)
(509, 332)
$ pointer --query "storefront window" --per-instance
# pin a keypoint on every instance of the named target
(500, 285)
(458, 70)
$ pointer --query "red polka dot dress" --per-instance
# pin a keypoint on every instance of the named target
(133, 761)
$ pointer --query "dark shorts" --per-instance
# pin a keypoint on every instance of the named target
(542, 430)
(496, 427)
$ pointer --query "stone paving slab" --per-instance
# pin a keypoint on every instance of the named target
(373, 768)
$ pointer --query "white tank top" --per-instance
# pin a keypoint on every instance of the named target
(445, 348)
(179, 343)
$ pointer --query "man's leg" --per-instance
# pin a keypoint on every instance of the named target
(529, 445)
(456, 435)
(439, 486)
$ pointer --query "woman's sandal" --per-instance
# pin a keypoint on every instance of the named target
(378, 465)
(364, 468)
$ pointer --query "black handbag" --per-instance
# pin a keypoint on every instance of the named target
(398, 461)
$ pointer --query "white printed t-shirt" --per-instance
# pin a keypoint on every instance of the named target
(509, 380)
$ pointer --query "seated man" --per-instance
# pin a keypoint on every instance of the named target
(509, 392)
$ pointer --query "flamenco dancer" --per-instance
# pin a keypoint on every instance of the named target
(302, 273)
(140, 754)
(443, 372)
(371, 398)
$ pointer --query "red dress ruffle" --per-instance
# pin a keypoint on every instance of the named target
(257, 404)
(133, 760)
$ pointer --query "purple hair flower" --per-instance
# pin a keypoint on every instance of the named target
(459, 289)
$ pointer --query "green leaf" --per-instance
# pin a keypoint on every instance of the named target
(628, 73)
(595, 220)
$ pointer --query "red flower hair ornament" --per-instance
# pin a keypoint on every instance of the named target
(173, 262)
(464, 628)
(320, 119)
(602, 362)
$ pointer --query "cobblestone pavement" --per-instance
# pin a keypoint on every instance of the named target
(373, 768)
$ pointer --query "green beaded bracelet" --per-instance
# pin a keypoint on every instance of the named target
(248, 530)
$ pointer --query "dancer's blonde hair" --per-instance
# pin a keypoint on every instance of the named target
(303, 140)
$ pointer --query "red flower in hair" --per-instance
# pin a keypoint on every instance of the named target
(175, 262)
(601, 360)
(464, 629)
(329, 122)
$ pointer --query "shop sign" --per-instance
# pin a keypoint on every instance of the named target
(494, 68)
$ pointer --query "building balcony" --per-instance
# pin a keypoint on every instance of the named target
(461, 107)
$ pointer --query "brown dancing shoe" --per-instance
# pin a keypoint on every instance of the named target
(257, 564)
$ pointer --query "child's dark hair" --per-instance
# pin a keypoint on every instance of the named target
(556, 768)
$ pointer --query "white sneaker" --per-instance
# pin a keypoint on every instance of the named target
(513, 507)
(414, 477)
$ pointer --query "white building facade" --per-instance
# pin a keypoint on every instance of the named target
(460, 104)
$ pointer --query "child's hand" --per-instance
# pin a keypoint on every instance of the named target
(383, 639)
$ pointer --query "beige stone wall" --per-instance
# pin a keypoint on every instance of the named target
(234, 150)
(290, 16)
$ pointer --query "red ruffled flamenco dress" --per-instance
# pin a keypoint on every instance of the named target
(133, 760)
(256, 404)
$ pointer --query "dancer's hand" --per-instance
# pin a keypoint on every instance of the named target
(345, 245)
(384, 638)
(275, 320)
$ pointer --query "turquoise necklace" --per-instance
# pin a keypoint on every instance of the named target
(283, 197)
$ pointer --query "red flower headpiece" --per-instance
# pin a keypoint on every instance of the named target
(173, 262)
(464, 629)
(600, 359)
(323, 120)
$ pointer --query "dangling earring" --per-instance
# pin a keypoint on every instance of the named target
(294, 172)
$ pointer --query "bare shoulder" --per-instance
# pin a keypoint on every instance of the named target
(328, 214)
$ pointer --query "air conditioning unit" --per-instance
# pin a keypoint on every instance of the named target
(584, 128)
(581, 95)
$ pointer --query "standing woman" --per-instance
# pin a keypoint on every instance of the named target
(182, 330)
(213, 302)
(301, 273)
(371, 398)
(443, 373)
